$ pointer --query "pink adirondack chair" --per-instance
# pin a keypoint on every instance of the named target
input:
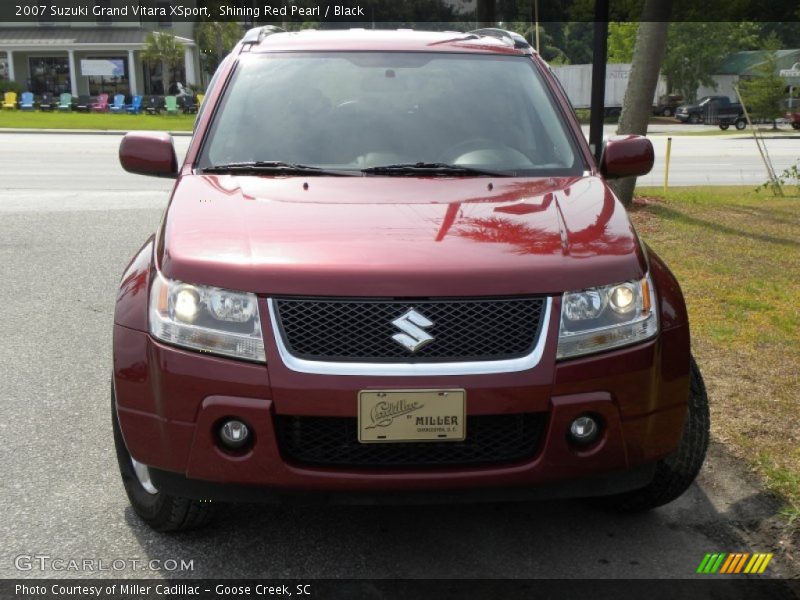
(101, 105)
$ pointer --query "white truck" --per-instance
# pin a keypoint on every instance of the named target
(577, 82)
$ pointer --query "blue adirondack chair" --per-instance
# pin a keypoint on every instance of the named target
(135, 107)
(26, 102)
(119, 104)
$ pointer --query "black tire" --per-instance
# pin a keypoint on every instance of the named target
(667, 112)
(694, 118)
(724, 126)
(676, 472)
(160, 511)
(741, 124)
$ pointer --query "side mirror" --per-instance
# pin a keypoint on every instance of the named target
(147, 153)
(627, 156)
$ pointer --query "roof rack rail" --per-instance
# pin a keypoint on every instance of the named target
(257, 34)
(503, 34)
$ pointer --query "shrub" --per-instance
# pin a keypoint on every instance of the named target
(10, 86)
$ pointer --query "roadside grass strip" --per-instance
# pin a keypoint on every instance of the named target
(93, 121)
(736, 254)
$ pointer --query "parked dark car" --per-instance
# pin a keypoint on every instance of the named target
(712, 110)
(391, 269)
(667, 105)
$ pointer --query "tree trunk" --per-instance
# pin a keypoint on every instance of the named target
(220, 47)
(651, 43)
(165, 77)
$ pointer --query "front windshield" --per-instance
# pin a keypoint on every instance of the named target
(351, 111)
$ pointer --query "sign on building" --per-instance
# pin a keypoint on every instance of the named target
(793, 72)
(103, 67)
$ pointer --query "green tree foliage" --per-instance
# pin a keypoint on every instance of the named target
(763, 92)
(695, 49)
(164, 48)
(549, 45)
(578, 42)
(621, 40)
(216, 39)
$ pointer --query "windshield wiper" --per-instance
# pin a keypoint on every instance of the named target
(277, 167)
(423, 168)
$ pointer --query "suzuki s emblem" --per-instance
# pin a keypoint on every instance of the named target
(412, 325)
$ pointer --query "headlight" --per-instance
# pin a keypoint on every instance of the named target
(607, 317)
(207, 319)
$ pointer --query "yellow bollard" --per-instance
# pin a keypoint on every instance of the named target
(666, 165)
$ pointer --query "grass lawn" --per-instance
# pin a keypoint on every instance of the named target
(736, 253)
(103, 121)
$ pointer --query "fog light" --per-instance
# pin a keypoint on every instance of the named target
(584, 430)
(234, 434)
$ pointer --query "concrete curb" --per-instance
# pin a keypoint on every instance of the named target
(85, 131)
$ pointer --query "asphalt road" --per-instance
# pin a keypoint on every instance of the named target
(714, 159)
(70, 219)
(719, 160)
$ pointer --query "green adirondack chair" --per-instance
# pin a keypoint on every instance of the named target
(171, 103)
(65, 102)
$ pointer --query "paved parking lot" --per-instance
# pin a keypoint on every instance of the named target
(70, 219)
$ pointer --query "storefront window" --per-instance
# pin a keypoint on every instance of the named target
(154, 82)
(49, 74)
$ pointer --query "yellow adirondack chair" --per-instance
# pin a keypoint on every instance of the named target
(10, 101)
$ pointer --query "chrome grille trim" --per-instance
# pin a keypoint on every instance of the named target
(488, 367)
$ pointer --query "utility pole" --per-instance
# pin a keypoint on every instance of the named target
(599, 58)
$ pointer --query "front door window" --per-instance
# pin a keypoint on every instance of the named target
(49, 74)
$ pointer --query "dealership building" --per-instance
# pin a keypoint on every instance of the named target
(92, 57)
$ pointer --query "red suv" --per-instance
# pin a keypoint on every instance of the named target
(390, 268)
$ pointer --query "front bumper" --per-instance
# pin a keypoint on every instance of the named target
(595, 486)
(169, 402)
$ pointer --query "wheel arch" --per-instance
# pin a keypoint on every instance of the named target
(132, 296)
(672, 311)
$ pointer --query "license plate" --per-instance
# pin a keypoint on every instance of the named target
(411, 416)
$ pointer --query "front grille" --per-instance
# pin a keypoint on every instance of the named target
(361, 330)
(333, 442)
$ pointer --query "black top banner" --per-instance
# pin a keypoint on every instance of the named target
(337, 12)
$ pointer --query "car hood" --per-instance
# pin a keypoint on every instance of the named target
(400, 236)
